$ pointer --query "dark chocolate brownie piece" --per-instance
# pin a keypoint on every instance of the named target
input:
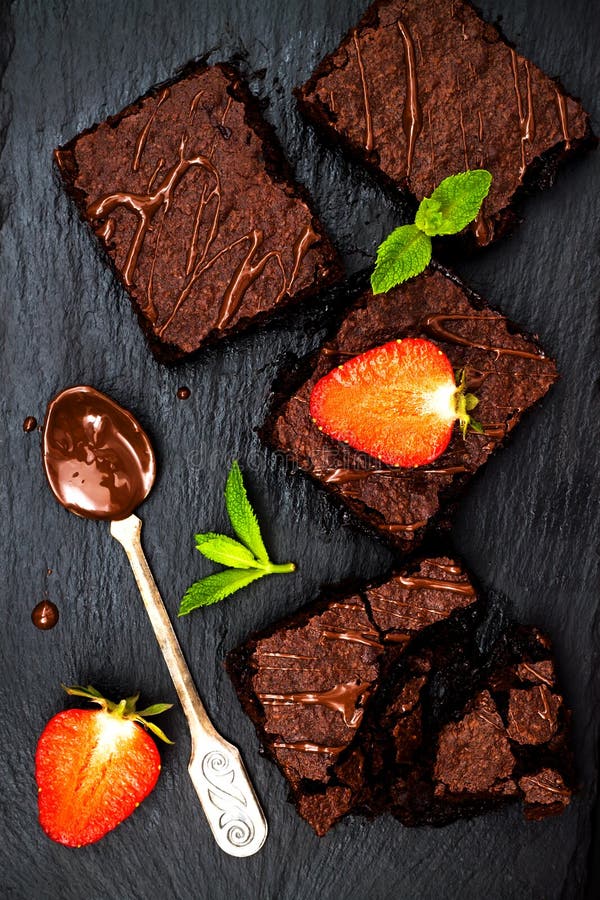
(189, 193)
(518, 732)
(404, 710)
(307, 683)
(505, 369)
(423, 89)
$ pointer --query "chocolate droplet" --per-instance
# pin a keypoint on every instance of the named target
(183, 393)
(45, 615)
(30, 424)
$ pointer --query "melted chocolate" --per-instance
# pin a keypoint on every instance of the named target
(412, 116)
(308, 747)
(344, 476)
(146, 207)
(283, 655)
(98, 460)
(433, 325)
(537, 675)
(183, 393)
(412, 582)
(143, 135)
(356, 637)
(483, 228)
(44, 615)
(464, 138)
(363, 81)
(526, 120)
(564, 118)
(399, 527)
(30, 424)
(342, 698)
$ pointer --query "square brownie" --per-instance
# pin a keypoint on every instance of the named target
(189, 193)
(391, 698)
(423, 89)
(508, 372)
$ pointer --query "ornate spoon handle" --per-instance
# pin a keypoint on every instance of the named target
(216, 768)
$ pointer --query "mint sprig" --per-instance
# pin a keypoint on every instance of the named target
(247, 558)
(405, 253)
(455, 202)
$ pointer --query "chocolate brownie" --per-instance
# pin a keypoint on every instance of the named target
(423, 89)
(188, 192)
(505, 369)
(387, 698)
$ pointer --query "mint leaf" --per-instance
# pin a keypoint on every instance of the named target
(206, 536)
(405, 253)
(227, 551)
(247, 561)
(216, 587)
(241, 514)
(454, 203)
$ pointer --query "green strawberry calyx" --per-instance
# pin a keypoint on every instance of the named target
(464, 403)
(125, 709)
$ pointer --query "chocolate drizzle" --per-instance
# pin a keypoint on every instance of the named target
(342, 698)
(106, 230)
(526, 120)
(464, 138)
(412, 116)
(483, 228)
(563, 116)
(308, 747)
(159, 197)
(434, 327)
(414, 582)
(143, 135)
(98, 460)
(403, 527)
(284, 655)
(340, 475)
(535, 673)
(145, 206)
(363, 81)
(369, 638)
(480, 129)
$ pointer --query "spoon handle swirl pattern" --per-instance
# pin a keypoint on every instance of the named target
(216, 768)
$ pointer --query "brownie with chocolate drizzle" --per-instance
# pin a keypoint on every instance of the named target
(393, 698)
(507, 370)
(418, 91)
(190, 196)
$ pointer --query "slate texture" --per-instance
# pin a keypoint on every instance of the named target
(527, 529)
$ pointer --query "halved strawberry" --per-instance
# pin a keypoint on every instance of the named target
(93, 767)
(397, 402)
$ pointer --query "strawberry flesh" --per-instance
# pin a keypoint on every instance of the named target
(92, 770)
(395, 402)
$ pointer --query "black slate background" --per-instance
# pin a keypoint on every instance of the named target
(527, 529)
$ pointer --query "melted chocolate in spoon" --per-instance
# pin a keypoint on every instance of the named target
(98, 459)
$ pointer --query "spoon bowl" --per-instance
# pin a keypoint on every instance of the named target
(98, 459)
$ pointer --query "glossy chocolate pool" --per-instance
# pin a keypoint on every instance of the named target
(97, 457)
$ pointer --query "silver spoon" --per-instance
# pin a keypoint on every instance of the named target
(100, 465)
